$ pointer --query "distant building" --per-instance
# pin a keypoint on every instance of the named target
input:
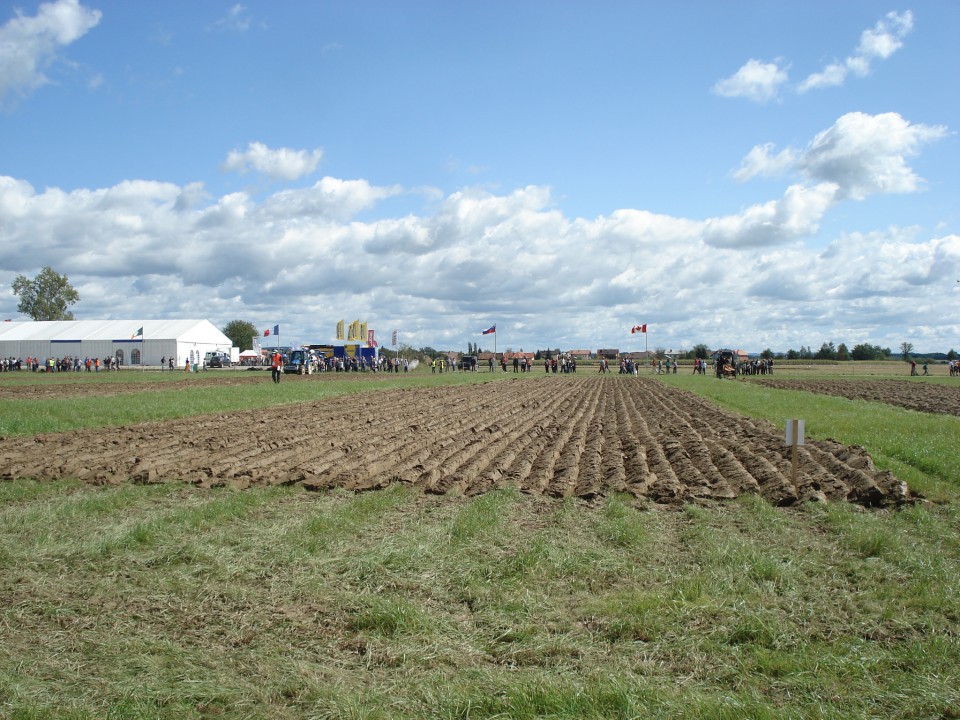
(580, 354)
(519, 356)
(641, 355)
(130, 342)
(609, 353)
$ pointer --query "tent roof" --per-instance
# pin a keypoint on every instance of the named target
(90, 330)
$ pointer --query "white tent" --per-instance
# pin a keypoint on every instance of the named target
(132, 342)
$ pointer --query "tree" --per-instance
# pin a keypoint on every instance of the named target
(906, 349)
(46, 297)
(842, 352)
(241, 333)
(701, 351)
(767, 354)
(952, 355)
(826, 352)
(866, 351)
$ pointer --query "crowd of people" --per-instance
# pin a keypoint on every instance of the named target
(64, 364)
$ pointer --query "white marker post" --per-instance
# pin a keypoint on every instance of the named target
(794, 438)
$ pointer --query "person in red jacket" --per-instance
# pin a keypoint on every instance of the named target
(276, 365)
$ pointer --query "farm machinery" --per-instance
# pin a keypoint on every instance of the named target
(300, 362)
(725, 364)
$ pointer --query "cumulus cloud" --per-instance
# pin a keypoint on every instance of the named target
(860, 154)
(277, 164)
(329, 198)
(306, 257)
(762, 82)
(29, 44)
(877, 43)
(797, 214)
(761, 161)
(756, 80)
(867, 154)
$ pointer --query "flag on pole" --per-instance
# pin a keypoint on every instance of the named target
(638, 328)
(340, 330)
(266, 333)
(394, 343)
(138, 333)
(490, 330)
(276, 329)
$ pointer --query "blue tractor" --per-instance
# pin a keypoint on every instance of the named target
(300, 362)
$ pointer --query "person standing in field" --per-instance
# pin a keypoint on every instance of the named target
(276, 366)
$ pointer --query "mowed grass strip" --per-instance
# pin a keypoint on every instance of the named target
(173, 602)
(172, 395)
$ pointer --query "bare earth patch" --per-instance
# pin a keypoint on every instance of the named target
(920, 396)
(572, 436)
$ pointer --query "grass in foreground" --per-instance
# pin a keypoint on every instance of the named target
(169, 602)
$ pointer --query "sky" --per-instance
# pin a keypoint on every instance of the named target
(746, 174)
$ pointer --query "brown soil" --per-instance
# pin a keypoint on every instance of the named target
(107, 384)
(909, 394)
(568, 436)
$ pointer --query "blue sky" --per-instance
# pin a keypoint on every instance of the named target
(752, 174)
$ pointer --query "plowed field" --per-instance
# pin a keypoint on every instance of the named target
(920, 396)
(567, 436)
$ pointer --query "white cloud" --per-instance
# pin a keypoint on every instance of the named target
(29, 44)
(329, 198)
(761, 162)
(278, 164)
(860, 154)
(237, 19)
(795, 215)
(866, 154)
(756, 80)
(877, 43)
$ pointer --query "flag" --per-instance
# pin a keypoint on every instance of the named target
(340, 330)
(489, 330)
(394, 343)
(638, 329)
(353, 333)
(276, 329)
(266, 333)
(138, 333)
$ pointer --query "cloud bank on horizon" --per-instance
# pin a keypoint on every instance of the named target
(799, 260)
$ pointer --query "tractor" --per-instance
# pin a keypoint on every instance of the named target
(299, 362)
(725, 364)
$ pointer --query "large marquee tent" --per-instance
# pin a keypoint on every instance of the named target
(131, 342)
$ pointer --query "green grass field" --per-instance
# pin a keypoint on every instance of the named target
(173, 602)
